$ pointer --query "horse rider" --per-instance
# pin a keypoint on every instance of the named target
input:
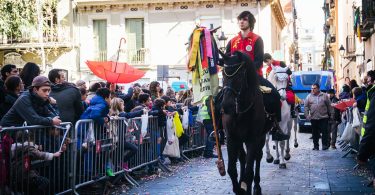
(252, 44)
(289, 91)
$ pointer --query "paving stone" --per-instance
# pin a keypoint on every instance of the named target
(308, 172)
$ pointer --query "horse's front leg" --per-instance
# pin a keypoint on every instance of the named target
(269, 157)
(242, 159)
(233, 151)
(251, 150)
(282, 149)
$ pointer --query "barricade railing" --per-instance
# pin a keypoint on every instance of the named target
(91, 152)
(32, 161)
(197, 137)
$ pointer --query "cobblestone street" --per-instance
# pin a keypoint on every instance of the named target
(308, 172)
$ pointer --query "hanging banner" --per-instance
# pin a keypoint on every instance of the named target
(205, 86)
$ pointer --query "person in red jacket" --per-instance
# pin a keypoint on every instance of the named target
(252, 44)
(271, 62)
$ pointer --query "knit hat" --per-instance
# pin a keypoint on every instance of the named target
(40, 81)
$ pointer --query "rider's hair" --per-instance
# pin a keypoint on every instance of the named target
(249, 17)
(266, 57)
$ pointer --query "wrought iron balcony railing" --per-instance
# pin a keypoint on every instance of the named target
(368, 13)
(30, 35)
(132, 57)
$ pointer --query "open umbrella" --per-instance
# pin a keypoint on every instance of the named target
(342, 105)
(114, 71)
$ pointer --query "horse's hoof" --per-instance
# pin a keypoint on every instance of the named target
(287, 156)
(274, 147)
(276, 162)
(269, 160)
(257, 190)
(240, 192)
(296, 145)
(282, 166)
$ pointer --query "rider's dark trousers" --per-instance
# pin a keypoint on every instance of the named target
(271, 100)
(320, 126)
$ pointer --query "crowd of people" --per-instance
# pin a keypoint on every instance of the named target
(32, 99)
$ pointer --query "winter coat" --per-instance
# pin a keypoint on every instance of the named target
(9, 100)
(318, 106)
(367, 145)
(337, 113)
(361, 102)
(68, 99)
(97, 110)
(31, 108)
(22, 154)
(344, 95)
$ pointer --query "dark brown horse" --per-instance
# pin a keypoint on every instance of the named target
(243, 118)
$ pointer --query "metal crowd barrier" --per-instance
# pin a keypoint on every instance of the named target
(197, 139)
(89, 150)
(30, 166)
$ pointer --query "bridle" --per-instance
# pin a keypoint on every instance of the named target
(237, 93)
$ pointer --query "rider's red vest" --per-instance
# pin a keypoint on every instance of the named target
(274, 63)
(245, 45)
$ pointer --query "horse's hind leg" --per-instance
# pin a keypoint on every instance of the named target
(295, 127)
(277, 160)
(287, 151)
(233, 149)
(242, 159)
(269, 157)
(282, 149)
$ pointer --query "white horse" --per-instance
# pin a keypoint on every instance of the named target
(279, 78)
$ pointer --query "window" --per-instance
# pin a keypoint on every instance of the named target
(134, 29)
(100, 39)
(309, 79)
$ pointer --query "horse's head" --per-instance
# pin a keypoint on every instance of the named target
(279, 78)
(240, 79)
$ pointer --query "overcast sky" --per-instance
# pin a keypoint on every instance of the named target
(310, 15)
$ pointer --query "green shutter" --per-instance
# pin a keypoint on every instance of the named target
(100, 39)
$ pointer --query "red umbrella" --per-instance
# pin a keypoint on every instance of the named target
(115, 72)
(342, 105)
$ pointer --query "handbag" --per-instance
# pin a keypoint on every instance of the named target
(356, 120)
(185, 119)
(144, 125)
(178, 125)
(348, 133)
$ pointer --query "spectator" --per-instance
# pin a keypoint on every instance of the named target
(170, 93)
(318, 110)
(98, 111)
(360, 99)
(33, 106)
(144, 102)
(133, 102)
(205, 113)
(29, 178)
(155, 90)
(67, 96)
(345, 94)
(7, 70)
(117, 110)
(83, 92)
(92, 90)
(179, 96)
(347, 81)
(28, 73)
(367, 144)
(81, 84)
(335, 120)
(13, 87)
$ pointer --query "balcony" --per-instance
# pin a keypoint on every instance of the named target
(54, 37)
(132, 57)
(368, 13)
(350, 44)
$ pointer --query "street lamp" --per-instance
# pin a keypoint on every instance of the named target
(222, 38)
(342, 51)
